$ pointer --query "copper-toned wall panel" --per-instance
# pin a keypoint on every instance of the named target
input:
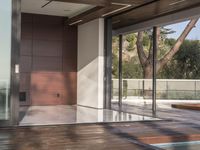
(26, 47)
(46, 48)
(25, 81)
(25, 64)
(48, 20)
(70, 30)
(46, 80)
(26, 31)
(49, 53)
(47, 64)
(47, 32)
(53, 88)
(25, 86)
(70, 49)
(69, 65)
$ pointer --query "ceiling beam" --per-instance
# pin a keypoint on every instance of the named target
(131, 2)
(89, 2)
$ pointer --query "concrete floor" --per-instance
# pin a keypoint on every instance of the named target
(164, 110)
(65, 114)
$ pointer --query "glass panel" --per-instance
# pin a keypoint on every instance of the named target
(137, 80)
(5, 57)
(115, 70)
(179, 77)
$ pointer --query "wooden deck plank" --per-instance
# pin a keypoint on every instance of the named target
(97, 136)
(183, 126)
(66, 137)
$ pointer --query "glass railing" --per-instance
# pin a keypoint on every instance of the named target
(166, 89)
(4, 100)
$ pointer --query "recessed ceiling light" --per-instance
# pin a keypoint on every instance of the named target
(76, 22)
(177, 2)
(117, 10)
(121, 4)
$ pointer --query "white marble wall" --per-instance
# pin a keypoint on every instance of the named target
(91, 64)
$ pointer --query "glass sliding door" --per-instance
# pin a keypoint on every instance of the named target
(115, 71)
(132, 71)
(5, 57)
(137, 70)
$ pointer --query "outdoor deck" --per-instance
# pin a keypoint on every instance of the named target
(184, 126)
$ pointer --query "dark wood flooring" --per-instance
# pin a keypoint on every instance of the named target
(70, 137)
(183, 126)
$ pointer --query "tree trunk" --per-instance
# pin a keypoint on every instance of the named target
(148, 74)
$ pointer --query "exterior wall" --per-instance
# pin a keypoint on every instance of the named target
(90, 64)
(48, 64)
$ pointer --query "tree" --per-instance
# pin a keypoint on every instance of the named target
(185, 64)
(146, 60)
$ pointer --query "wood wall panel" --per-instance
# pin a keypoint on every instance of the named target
(47, 32)
(42, 63)
(52, 88)
(27, 30)
(25, 81)
(25, 64)
(26, 47)
(47, 20)
(46, 48)
(49, 59)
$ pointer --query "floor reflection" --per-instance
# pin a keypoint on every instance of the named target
(47, 115)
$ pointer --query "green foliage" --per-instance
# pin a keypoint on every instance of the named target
(131, 39)
(131, 69)
(115, 64)
(185, 64)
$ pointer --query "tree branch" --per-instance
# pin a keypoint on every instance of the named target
(140, 49)
(177, 45)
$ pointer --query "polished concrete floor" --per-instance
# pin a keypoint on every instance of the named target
(164, 111)
(65, 114)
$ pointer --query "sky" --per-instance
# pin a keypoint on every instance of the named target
(179, 27)
(5, 40)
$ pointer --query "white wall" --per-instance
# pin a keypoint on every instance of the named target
(90, 64)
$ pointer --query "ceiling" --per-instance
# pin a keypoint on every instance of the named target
(55, 8)
(123, 12)
(79, 11)
(152, 10)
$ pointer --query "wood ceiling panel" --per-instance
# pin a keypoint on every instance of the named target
(106, 2)
(115, 8)
(152, 10)
(128, 12)
(92, 14)
(90, 2)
